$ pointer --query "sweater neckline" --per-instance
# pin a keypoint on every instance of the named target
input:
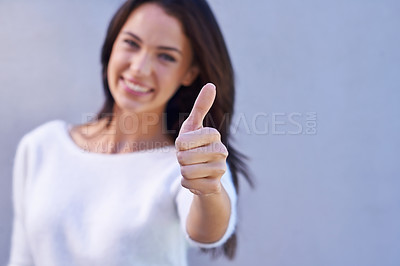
(66, 127)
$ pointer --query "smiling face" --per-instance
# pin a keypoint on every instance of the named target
(151, 57)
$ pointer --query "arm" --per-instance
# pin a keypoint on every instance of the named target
(20, 252)
(202, 157)
(208, 217)
(184, 200)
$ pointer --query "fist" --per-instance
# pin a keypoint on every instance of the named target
(200, 152)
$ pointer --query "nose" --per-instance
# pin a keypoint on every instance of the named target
(141, 64)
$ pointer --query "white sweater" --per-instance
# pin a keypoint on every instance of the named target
(73, 207)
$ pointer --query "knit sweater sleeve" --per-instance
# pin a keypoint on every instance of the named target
(184, 199)
(20, 254)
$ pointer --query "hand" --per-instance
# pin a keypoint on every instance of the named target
(200, 152)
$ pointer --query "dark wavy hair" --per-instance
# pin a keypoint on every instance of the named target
(212, 58)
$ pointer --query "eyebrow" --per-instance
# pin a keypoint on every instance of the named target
(158, 47)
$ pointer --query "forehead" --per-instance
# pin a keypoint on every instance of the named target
(154, 26)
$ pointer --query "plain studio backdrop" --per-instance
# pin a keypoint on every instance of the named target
(317, 110)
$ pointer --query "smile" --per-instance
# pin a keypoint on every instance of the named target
(135, 87)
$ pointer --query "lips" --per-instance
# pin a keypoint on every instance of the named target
(135, 87)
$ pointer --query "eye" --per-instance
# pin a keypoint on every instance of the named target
(132, 43)
(167, 57)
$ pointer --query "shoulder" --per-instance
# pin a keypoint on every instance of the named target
(47, 130)
(35, 144)
(44, 135)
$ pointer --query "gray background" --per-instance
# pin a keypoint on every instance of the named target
(324, 197)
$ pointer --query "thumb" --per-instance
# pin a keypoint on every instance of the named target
(201, 106)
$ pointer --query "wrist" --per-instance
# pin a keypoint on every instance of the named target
(215, 191)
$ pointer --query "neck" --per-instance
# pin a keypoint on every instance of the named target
(139, 131)
(128, 132)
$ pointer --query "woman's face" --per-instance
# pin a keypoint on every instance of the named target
(151, 57)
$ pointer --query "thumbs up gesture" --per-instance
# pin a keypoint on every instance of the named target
(200, 152)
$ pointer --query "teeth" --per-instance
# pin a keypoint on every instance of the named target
(135, 87)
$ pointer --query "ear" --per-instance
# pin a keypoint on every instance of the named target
(190, 75)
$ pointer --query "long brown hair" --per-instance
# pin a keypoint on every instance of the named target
(212, 58)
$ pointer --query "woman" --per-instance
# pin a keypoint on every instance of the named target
(149, 181)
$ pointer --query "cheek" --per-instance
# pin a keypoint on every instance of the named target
(167, 80)
(170, 76)
(111, 67)
(118, 60)
(113, 71)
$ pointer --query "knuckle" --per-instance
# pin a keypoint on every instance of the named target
(220, 169)
(184, 183)
(181, 143)
(216, 133)
(220, 156)
(202, 109)
(178, 142)
(222, 151)
(181, 158)
(226, 152)
(184, 171)
(213, 133)
(225, 167)
(215, 187)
